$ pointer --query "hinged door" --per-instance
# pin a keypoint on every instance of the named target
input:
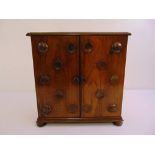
(56, 68)
(102, 68)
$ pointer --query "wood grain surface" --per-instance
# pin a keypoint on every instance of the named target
(99, 79)
(59, 79)
(79, 77)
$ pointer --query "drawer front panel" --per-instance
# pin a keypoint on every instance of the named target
(102, 66)
(56, 64)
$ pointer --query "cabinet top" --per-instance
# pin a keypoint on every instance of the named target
(77, 33)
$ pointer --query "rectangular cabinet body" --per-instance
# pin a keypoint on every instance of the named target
(79, 77)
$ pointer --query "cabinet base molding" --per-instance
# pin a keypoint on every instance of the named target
(118, 121)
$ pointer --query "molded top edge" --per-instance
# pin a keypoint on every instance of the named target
(77, 33)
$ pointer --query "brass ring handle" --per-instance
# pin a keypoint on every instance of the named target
(59, 94)
(71, 48)
(45, 109)
(76, 79)
(58, 64)
(116, 47)
(79, 80)
(101, 65)
(114, 79)
(100, 93)
(112, 108)
(44, 79)
(42, 47)
(88, 47)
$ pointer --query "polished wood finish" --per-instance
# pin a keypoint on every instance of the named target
(79, 77)
(78, 33)
(100, 79)
(61, 80)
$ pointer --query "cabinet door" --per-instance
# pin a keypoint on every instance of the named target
(102, 67)
(56, 65)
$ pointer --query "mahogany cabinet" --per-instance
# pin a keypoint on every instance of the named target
(79, 77)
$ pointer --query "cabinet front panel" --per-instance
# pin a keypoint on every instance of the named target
(102, 66)
(56, 66)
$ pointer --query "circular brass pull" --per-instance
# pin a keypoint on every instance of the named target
(76, 79)
(44, 79)
(59, 94)
(42, 47)
(58, 64)
(112, 108)
(114, 79)
(116, 47)
(45, 109)
(88, 47)
(101, 65)
(99, 93)
(79, 80)
(71, 48)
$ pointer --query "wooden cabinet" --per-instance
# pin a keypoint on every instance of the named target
(79, 77)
